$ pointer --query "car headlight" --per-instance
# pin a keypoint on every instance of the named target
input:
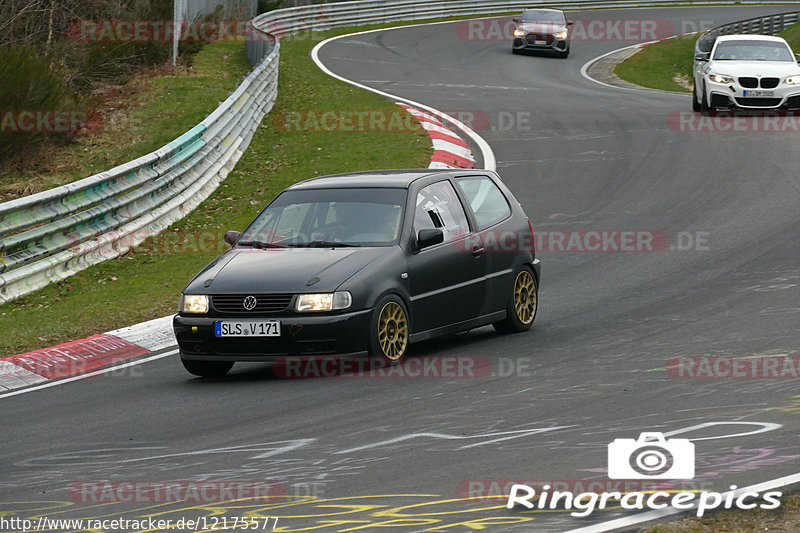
(561, 35)
(519, 33)
(793, 80)
(194, 303)
(323, 302)
(720, 78)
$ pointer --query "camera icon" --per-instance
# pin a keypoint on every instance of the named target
(651, 456)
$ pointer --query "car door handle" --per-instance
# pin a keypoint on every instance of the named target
(476, 250)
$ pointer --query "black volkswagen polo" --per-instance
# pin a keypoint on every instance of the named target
(363, 264)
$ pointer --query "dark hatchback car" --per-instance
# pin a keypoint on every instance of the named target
(542, 30)
(363, 264)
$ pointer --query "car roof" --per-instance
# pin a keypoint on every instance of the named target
(376, 178)
(748, 37)
(542, 9)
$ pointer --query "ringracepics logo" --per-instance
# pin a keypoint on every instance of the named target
(650, 457)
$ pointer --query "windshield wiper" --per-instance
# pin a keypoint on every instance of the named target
(259, 244)
(323, 244)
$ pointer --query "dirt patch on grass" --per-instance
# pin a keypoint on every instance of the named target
(683, 80)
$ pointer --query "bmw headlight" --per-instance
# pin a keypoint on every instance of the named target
(561, 34)
(793, 80)
(196, 304)
(323, 302)
(720, 78)
(519, 33)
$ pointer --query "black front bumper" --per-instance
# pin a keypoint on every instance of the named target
(552, 45)
(336, 334)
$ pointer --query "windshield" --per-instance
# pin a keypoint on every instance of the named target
(329, 217)
(542, 17)
(752, 51)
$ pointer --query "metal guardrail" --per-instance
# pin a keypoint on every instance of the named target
(769, 25)
(48, 236)
(325, 16)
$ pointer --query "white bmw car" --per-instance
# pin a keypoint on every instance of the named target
(746, 71)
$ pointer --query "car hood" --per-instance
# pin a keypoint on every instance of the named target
(776, 69)
(246, 270)
(535, 27)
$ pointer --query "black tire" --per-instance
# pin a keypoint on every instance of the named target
(695, 103)
(389, 330)
(522, 303)
(704, 100)
(515, 51)
(564, 54)
(207, 369)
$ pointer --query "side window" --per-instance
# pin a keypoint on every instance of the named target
(438, 206)
(486, 200)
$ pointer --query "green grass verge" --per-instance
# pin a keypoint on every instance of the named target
(138, 118)
(659, 65)
(146, 283)
(792, 36)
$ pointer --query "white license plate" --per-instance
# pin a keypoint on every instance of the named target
(247, 328)
(540, 42)
(759, 93)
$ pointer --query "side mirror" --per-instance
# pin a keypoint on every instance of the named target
(231, 237)
(570, 22)
(515, 19)
(797, 56)
(429, 237)
(702, 56)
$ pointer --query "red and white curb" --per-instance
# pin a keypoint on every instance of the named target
(78, 357)
(86, 355)
(449, 150)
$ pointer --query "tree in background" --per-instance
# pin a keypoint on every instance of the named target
(45, 64)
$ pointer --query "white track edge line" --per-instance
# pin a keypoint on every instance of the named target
(56, 382)
(489, 161)
(662, 513)
(585, 67)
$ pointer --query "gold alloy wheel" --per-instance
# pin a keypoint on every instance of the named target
(392, 331)
(525, 297)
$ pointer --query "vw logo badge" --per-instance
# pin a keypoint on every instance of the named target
(250, 303)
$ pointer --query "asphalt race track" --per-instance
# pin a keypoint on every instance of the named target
(403, 454)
